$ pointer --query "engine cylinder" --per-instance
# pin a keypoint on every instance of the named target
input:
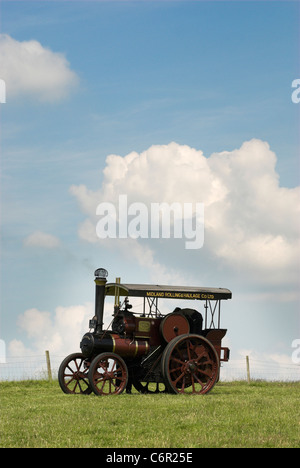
(92, 344)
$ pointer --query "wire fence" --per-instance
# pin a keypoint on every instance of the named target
(30, 367)
(260, 370)
(45, 367)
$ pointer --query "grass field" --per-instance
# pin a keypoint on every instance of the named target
(234, 414)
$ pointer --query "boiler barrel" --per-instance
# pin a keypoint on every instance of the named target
(93, 344)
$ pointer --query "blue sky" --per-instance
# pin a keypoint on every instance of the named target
(112, 78)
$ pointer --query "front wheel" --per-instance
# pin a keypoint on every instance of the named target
(73, 375)
(108, 374)
(190, 364)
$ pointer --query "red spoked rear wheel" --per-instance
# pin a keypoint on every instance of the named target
(190, 364)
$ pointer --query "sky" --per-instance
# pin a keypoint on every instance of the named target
(162, 102)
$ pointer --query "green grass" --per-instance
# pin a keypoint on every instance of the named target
(235, 414)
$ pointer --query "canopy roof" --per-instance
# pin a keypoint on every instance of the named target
(168, 292)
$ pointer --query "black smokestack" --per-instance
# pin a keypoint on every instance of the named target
(100, 281)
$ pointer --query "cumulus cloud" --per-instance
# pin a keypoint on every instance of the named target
(251, 222)
(42, 239)
(60, 333)
(29, 68)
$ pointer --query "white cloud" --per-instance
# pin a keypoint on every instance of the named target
(28, 68)
(251, 223)
(60, 333)
(42, 239)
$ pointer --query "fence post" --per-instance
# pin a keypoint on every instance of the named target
(48, 366)
(248, 369)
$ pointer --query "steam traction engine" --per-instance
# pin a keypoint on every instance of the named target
(178, 353)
